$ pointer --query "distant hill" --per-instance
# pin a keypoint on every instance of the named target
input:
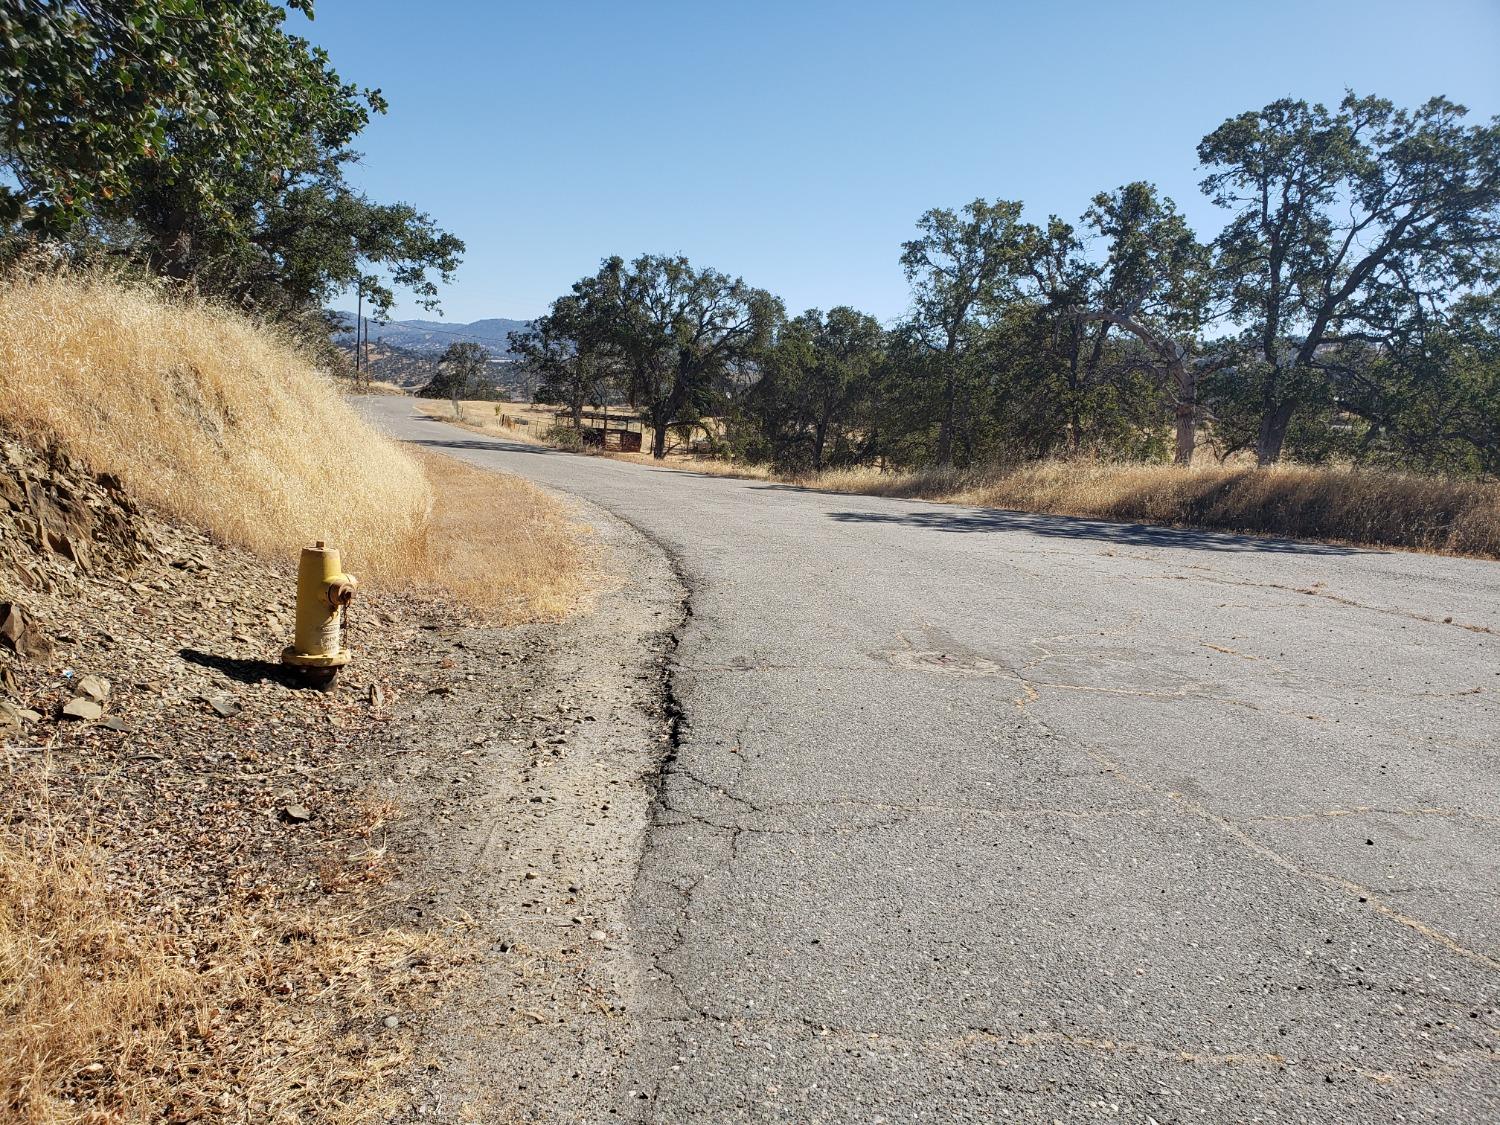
(413, 368)
(432, 337)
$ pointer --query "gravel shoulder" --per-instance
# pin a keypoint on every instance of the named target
(528, 771)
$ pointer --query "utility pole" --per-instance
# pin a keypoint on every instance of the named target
(359, 323)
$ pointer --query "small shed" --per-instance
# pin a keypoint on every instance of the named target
(602, 430)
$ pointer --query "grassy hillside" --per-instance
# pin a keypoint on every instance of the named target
(208, 416)
(222, 423)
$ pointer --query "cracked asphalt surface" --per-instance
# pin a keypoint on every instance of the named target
(985, 816)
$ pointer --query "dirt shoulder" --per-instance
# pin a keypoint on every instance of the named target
(528, 771)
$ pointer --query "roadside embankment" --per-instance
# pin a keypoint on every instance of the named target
(221, 423)
(193, 853)
(215, 901)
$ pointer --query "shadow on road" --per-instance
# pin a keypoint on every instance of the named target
(1074, 527)
(482, 443)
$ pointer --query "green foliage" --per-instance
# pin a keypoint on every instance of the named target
(207, 139)
(1430, 400)
(964, 267)
(1346, 226)
(812, 402)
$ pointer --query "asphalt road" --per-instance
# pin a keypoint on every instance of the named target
(982, 816)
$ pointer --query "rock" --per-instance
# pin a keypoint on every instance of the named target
(225, 705)
(598, 935)
(392, 1021)
(16, 712)
(117, 724)
(296, 814)
(82, 710)
(92, 687)
(19, 635)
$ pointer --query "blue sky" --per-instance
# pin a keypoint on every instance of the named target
(796, 144)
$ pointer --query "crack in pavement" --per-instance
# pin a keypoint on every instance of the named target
(1314, 592)
(1367, 896)
(1373, 810)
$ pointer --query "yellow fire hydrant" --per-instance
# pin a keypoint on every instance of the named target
(323, 591)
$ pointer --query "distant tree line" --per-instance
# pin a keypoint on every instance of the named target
(205, 143)
(1347, 311)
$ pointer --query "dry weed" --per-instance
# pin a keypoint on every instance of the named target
(501, 543)
(1297, 501)
(111, 1011)
(1301, 502)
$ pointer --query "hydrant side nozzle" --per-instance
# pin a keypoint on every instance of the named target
(323, 589)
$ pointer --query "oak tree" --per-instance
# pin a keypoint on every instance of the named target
(1343, 222)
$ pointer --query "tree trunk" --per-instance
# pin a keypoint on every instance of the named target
(1273, 427)
(1075, 392)
(1187, 413)
(820, 437)
(945, 429)
(1187, 433)
(665, 416)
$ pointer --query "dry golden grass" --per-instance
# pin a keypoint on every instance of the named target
(79, 987)
(111, 1012)
(485, 417)
(501, 543)
(221, 422)
(374, 387)
(1301, 502)
(206, 415)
